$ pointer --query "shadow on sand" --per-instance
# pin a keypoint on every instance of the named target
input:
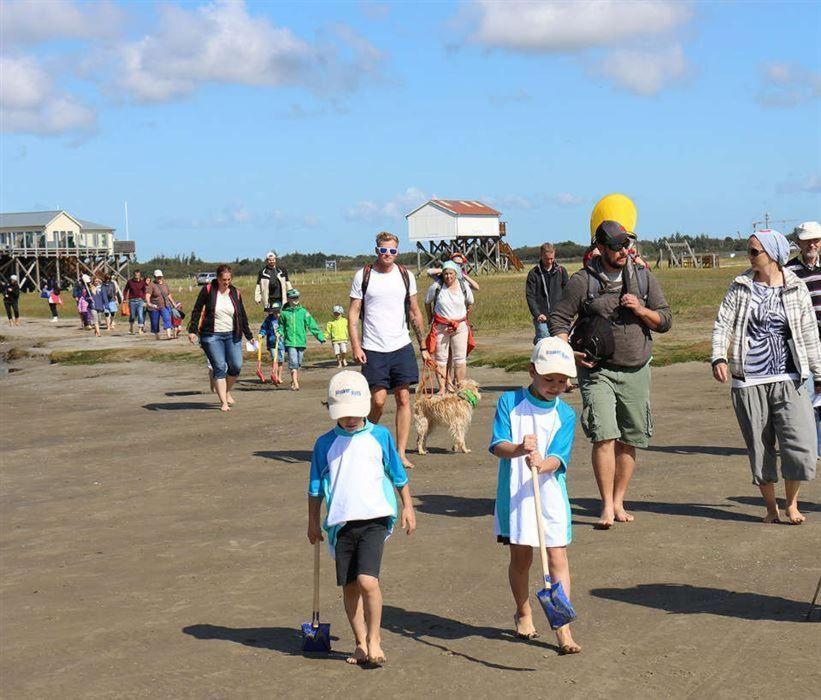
(454, 506)
(289, 456)
(684, 599)
(181, 406)
(698, 450)
(184, 393)
(591, 507)
(804, 506)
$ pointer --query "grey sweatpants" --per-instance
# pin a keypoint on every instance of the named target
(777, 411)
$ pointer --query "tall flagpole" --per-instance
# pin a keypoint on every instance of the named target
(126, 220)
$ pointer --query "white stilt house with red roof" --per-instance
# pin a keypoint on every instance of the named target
(443, 227)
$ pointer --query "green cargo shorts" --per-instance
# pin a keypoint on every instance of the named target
(616, 404)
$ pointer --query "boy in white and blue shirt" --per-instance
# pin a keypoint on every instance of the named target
(355, 469)
(534, 427)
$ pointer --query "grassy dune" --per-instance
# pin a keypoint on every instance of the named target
(501, 317)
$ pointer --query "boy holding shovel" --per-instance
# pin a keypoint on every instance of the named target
(533, 427)
(355, 468)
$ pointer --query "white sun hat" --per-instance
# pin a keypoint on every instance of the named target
(553, 356)
(158, 273)
(808, 231)
(349, 395)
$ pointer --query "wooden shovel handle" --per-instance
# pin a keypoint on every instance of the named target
(537, 497)
(315, 615)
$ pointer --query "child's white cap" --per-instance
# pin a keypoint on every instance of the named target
(349, 395)
(553, 356)
(338, 309)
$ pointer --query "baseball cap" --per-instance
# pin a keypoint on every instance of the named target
(338, 309)
(808, 231)
(611, 234)
(158, 273)
(293, 293)
(86, 279)
(349, 395)
(553, 356)
(276, 306)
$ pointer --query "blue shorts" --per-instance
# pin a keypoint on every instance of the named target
(280, 353)
(389, 370)
(295, 357)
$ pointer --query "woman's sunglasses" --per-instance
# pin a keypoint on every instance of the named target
(754, 252)
(385, 251)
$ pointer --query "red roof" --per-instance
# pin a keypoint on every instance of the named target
(465, 206)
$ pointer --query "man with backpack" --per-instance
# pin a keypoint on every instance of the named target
(617, 305)
(544, 289)
(383, 296)
(272, 283)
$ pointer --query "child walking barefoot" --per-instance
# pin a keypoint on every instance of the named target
(295, 323)
(337, 332)
(347, 463)
(534, 427)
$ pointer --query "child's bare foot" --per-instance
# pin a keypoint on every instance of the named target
(622, 516)
(406, 462)
(225, 407)
(606, 520)
(794, 515)
(524, 627)
(359, 656)
(566, 643)
(376, 657)
(772, 517)
(230, 399)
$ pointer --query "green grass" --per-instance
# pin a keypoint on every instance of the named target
(93, 357)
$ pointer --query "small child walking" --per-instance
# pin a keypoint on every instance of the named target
(295, 321)
(533, 426)
(271, 330)
(337, 332)
(355, 469)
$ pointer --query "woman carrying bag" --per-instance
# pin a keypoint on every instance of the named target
(765, 339)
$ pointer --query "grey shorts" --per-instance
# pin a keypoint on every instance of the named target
(780, 412)
(616, 404)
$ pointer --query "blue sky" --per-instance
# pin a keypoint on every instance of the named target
(234, 127)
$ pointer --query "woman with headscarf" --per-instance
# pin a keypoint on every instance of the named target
(448, 304)
(766, 339)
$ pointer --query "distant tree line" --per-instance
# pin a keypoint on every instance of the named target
(189, 265)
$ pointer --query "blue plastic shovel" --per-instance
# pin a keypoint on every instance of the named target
(554, 601)
(316, 636)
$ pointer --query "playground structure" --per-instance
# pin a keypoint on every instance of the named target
(444, 227)
(680, 254)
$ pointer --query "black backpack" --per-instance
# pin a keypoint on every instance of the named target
(439, 285)
(366, 278)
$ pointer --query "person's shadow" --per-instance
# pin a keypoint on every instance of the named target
(757, 501)
(181, 406)
(454, 506)
(289, 456)
(592, 506)
(285, 640)
(433, 630)
(684, 599)
(698, 450)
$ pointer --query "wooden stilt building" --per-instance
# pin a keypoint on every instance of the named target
(442, 227)
(42, 245)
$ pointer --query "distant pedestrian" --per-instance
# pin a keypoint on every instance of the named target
(617, 305)
(159, 300)
(544, 288)
(98, 305)
(383, 296)
(765, 339)
(337, 332)
(11, 300)
(272, 283)
(82, 296)
(220, 321)
(135, 294)
(51, 293)
(115, 296)
(295, 323)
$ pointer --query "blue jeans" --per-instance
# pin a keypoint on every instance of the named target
(295, 357)
(156, 314)
(136, 310)
(542, 330)
(223, 353)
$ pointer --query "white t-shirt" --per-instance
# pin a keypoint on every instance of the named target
(384, 328)
(450, 304)
(223, 313)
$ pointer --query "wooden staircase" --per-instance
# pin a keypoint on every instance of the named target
(507, 251)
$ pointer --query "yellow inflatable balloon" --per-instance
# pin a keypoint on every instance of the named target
(614, 207)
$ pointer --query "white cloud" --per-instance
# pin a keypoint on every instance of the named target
(26, 22)
(566, 199)
(810, 184)
(788, 85)
(509, 201)
(29, 103)
(396, 208)
(645, 72)
(221, 42)
(563, 26)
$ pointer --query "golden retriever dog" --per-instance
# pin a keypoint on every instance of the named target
(453, 411)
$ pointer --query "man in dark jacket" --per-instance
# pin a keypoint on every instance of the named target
(616, 391)
(272, 283)
(544, 289)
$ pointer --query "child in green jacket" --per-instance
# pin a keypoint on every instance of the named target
(295, 322)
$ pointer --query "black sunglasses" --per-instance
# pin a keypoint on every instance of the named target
(385, 251)
(754, 252)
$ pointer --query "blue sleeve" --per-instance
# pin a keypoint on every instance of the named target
(319, 465)
(562, 442)
(501, 421)
(390, 457)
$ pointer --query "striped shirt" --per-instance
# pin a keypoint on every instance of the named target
(811, 276)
